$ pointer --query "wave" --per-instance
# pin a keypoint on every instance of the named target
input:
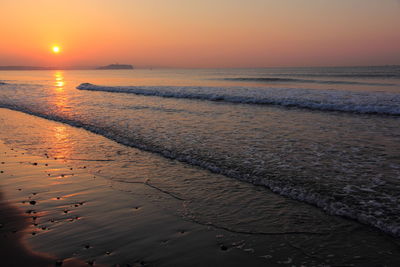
(291, 80)
(346, 75)
(381, 103)
(366, 215)
(372, 72)
(2, 83)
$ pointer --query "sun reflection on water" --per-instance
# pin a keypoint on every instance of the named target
(59, 82)
(60, 96)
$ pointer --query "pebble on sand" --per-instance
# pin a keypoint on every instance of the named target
(223, 247)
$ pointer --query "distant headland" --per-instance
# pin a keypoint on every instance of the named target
(116, 67)
(108, 67)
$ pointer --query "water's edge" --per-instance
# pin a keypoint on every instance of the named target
(289, 190)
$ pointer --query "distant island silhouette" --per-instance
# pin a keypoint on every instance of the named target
(108, 67)
(116, 67)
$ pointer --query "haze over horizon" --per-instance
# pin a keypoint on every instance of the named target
(176, 33)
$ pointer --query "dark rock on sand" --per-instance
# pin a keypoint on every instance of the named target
(223, 248)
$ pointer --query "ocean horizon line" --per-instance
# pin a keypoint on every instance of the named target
(97, 67)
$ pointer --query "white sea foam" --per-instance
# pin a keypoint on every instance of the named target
(325, 100)
(291, 80)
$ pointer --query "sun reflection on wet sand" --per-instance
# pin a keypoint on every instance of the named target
(62, 144)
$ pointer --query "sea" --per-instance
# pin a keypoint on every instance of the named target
(238, 145)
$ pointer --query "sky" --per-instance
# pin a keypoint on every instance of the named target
(200, 34)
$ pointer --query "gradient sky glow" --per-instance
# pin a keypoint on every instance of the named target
(207, 33)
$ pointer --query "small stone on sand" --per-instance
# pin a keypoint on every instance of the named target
(223, 248)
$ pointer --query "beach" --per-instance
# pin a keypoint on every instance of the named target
(200, 133)
(65, 210)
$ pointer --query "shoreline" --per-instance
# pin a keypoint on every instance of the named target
(84, 214)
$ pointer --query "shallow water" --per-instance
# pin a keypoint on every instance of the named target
(139, 206)
(313, 144)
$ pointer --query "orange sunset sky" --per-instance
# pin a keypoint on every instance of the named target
(187, 33)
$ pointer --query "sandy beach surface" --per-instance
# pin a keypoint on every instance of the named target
(57, 212)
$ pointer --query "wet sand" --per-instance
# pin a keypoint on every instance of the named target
(14, 252)
(19, 222)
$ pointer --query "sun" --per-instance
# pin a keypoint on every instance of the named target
(56, 49)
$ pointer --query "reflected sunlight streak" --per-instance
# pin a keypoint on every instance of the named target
(60, 138)
(59, 83)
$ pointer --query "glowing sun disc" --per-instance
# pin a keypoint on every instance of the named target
(56, 49)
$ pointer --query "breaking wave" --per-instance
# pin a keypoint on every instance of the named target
(324, 100)
(289, 80)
